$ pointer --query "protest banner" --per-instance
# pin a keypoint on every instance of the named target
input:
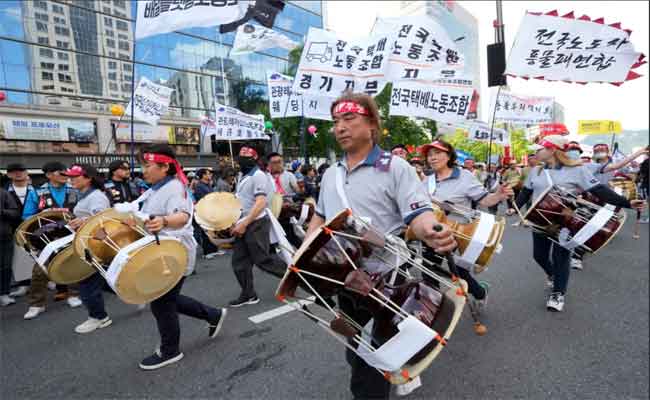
(437, 102)
(251, 38)
(550, 47)
(162, 16)
(523, 110)
(51, 130)
(284, 102)
(151, 101)
(591, 127)
(232, 124)
(480, 132)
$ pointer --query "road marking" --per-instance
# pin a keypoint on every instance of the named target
(276, 312)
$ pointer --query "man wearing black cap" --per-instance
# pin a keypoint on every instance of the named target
(18, 189)
(118, 188)
(55, 194)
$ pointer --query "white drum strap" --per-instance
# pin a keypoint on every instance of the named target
(548, 177)
(339, 188)
(122, 258)
(304, 212)
(431, 184)
(277, 235)
(51, 248)
(595, 224)
(480, 238)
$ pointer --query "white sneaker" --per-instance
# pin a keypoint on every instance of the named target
(213, 255)
(92, 324)
(21, 291)
(74, 301)
(555, 302)
(644, 220)
(576, 264)
(548, 285)
(51, 285)
(33, 312)
(141, 307)
(408, 387)
(6, 300)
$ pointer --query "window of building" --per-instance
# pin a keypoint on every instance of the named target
(127, 67)
(47, 65)
(41, 4)
(122, 36)
(65, 78)
(124, 56)
(41, 27)
(62, 31)
(43, 40)
(58, 20)
(112, 65)
(67, 90)
(46, 53)
(64, 67)
(61, 44)
(47, 76)
(119, 3)
(63, 56)
(57, 9)
(110, 43)
(112, 76)
(126, 87)
(127, 77)
(106, 10)
(121, 25)
(48, 87)
(113, 86)
(119, 14)
(124, 46)
(112, 54)
(108, 21)
(41, 17)
(109, 33)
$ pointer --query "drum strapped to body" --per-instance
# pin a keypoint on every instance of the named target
(48, 239)
(216, 213)
(411, 321)
(477, 233)
(574, 222)
(140, 267)
(298, 214)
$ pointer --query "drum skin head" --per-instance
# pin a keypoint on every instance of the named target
(36, 221)
(151, 271)
(66, 268)
(107, 224)
(217, 211)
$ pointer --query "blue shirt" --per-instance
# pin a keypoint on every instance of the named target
(58, 194)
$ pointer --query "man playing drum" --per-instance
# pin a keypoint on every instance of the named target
(380, 188)
(459, 187)
(561, 170)
(170, 204)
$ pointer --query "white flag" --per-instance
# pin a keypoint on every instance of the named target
(151, 101)
(233, 124)
(285, 103)
(440, 103)
(162, 16)
(251, 38)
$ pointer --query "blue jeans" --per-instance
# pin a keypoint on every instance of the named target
(90, 290)
(554, 259)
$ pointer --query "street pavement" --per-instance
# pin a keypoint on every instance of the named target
(596, 349)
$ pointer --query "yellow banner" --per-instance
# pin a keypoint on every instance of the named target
(599, 127)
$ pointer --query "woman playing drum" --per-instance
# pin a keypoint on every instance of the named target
(562, 171)
(457, 187)
(92, 200)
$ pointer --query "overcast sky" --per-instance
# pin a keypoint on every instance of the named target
(627, 103)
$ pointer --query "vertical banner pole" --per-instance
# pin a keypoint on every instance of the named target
(225, 96)
(132, 158)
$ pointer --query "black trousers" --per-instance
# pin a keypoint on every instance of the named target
(166, 309)
(6, 258)
(253, 249)
(554, 259)
(365, 381)
(473, 287)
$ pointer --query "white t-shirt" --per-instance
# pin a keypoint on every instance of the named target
(21, 192)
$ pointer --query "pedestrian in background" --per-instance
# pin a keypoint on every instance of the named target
(9, 212)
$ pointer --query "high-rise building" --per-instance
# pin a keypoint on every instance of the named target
(64, 63)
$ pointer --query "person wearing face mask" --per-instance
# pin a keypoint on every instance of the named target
(558, 169)
(252, 243)
(118, 187)
(603, 167)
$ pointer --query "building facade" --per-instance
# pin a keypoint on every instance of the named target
(64, 63)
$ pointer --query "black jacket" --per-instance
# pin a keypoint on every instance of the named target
(9, 213)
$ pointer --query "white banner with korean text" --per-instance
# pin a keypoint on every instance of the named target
(412, 98)
(232, 124)
(522, 110)
(251, 38)
(285, 103)
(162, 16)
(557, 48)
(330, 65)
(480, 132)
(151, 101)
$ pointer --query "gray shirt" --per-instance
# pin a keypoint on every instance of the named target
(254, 183)
(460, 188)
(597, 170)
(573, 179)
(167, 197)
(383, 188)
(90, 203)
(288, 182)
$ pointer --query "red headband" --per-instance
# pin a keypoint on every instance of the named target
(438, 145)
(161, 158)
(248, 152)
(549, 145)
(601, 146)
(349, 107)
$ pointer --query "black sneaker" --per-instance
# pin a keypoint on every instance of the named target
(157, 360)
(215, 327)
(242, 301)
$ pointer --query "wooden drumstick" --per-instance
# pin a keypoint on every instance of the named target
(479, 328)
(151, 218)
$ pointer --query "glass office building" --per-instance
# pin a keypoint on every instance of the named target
(63, 63)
